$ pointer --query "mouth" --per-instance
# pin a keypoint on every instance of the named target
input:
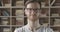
(33, 15)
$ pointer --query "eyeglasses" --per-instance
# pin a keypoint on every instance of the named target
(31, 9)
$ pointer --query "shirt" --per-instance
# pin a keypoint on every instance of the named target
(26, 29)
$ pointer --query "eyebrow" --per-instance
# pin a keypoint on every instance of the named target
(33, 8)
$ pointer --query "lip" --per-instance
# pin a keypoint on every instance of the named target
(33, 15)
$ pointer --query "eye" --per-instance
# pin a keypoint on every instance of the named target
(36, 9)
(29, 9)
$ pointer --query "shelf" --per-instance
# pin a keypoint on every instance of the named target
(55, 16)
(4, 16)
(12, 7)
(17, 7)
(10, 25)
(4, 7)
(56, 26)
(52, 7)
(13, 16)
(55, 7)
(41, 16)
(17, 17)
(4, 25)
(23, 7)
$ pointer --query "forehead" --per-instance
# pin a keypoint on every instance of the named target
(33, 5)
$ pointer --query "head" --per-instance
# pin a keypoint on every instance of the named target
(32, 9)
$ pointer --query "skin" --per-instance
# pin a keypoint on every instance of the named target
(32, 15)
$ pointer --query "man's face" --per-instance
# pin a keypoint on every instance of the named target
(32, 11)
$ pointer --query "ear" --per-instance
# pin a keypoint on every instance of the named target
(40, 13)
(25, 11)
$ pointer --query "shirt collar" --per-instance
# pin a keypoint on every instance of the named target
(36, 28)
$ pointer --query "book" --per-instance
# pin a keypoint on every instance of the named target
(5, 22)
(6, 30)
(20, 21)
(43, 4)
(0, 3)
(43, 15)
(4, 18)
(57, 22)
(56, 14)
(19, 3)
(19, 18)
(6, 13)
(19, 13)
(56, 31)
(7, 5)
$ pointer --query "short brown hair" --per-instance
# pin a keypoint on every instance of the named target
(32, 1)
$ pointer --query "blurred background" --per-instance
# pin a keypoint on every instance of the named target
(12, 14)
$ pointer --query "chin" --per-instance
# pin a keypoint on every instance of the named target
(33, 19)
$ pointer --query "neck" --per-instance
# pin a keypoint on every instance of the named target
(33, 24)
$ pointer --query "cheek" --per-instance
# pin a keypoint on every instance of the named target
(38, 14)
(28, 14)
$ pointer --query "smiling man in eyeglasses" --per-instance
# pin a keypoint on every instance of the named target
(32, 11)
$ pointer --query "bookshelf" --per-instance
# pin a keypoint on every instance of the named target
(55, 17)
(12, 14)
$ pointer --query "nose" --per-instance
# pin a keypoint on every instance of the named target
(33, 12)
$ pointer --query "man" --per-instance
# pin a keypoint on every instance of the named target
(32, 11)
